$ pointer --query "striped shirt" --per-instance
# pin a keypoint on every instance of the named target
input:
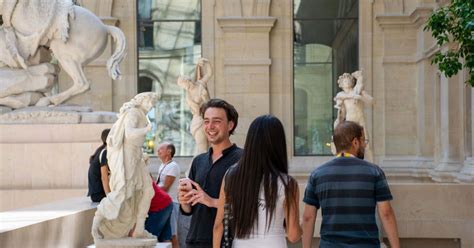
(347, 190)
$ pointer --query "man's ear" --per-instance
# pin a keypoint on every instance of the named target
(355, 142)
(231, 125)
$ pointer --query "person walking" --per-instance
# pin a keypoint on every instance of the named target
(348, 189)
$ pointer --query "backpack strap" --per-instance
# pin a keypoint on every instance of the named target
(100, 156)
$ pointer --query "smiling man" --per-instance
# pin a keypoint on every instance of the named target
(198, 195)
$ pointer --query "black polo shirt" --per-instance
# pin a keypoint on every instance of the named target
(209, 176)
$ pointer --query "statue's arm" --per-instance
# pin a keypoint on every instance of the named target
(131, 125)
(359, 87)
(204, 95)
(366, 98)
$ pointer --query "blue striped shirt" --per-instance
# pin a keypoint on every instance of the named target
(347, 190)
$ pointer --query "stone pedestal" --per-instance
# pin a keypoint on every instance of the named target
(126, 243)
(466, 175)
(46, 159)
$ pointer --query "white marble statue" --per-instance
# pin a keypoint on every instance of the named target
(123, 212)
(350, 102)
(73, 34)
(196, 95)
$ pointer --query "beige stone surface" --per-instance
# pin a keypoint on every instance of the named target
(13, 199)
(47, 156)
(420, 126)
(427, 212)
(59, 224)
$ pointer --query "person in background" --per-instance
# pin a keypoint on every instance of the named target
(261, 197)
(158, 222)
(98, 175)
(167, 180)
(348, 190)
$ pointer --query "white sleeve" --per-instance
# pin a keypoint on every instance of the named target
(173, 170)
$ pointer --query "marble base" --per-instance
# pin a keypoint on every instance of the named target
(129, 243)
(62, 114)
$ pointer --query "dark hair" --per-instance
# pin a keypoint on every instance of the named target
(264, 160)
(345, 133)
(230, 111)
(103, 137)
(171, 147)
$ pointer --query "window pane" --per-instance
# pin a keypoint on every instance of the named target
(325, 9)
(313, 108)
(168, 49)
(325, 46)
(169, 9)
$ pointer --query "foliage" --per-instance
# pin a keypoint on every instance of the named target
(454, 23)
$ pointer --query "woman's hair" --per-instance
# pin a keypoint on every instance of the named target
(103, 137)
(264, 160)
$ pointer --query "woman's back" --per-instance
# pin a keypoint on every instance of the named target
(273, 236)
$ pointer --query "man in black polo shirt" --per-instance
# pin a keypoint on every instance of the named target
(207, 172)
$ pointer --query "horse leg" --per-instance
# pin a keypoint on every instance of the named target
(75, 71)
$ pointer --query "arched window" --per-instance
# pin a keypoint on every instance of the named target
(325, 46)
(145, 84)
(169, 45)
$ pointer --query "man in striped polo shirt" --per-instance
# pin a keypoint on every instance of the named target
(348, 190)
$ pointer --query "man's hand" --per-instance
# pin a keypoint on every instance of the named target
(184, 187)
(199, 196)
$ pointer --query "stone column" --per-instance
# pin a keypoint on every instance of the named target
(245, 60)
(450, 130)
(401, 144)
(467, 172)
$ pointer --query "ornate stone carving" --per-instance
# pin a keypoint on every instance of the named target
(350, 102)
(196, 95)
(67, 30)
(123, 212)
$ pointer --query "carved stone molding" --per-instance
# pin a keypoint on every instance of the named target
(415, 19)
(246, 24)
(466, 175)
(248, 62)
(446, 171)
(407, 166)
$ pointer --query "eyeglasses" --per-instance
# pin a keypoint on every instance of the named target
(366, 141)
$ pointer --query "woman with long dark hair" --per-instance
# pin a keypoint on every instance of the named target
(260, 196)
(98, 174)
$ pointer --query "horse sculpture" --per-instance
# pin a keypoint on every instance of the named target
(76, 40)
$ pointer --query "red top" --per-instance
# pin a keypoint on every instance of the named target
(160, 200)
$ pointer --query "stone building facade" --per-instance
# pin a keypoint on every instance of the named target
(421, 125)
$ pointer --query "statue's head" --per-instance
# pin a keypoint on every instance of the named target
(346, 81)
(146, 100)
